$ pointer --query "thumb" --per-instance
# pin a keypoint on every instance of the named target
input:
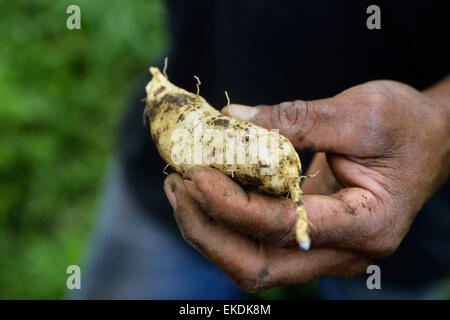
(328, 125)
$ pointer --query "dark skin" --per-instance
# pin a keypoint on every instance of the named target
(382, 149)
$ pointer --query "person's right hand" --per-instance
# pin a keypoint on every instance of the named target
(388, 148)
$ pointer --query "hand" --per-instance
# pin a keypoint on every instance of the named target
(383, 147)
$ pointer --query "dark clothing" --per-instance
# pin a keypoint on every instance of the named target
(269, 52)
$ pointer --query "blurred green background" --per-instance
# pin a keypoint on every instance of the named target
(62, 93)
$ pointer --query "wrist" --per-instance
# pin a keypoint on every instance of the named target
(440, 94)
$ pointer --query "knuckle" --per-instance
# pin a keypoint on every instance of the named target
(289, 112)
(188, 237)
(355, 269)
(287, 223)
(249, 284)
(442, 123)
(251, 278)
(184, 226)
(381, 248)
(349, 268)
(387, 248)
(440, 120)
(377, 96)
(294, 117)
(193, 240)
(385, 233)
(383, 119)
(359, 268)
(380, 110)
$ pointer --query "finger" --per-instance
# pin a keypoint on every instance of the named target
(290, 267)
(336, 219)
(324, 181)
(233, 252)
(264, 217)
(335, 125)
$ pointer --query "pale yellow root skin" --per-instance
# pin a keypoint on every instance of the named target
(170, 108)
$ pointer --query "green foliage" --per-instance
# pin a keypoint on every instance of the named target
(62, 93)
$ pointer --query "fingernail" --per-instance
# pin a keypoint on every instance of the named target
(193, 190)
(170, 193)
(242, 112)
(225, 111)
